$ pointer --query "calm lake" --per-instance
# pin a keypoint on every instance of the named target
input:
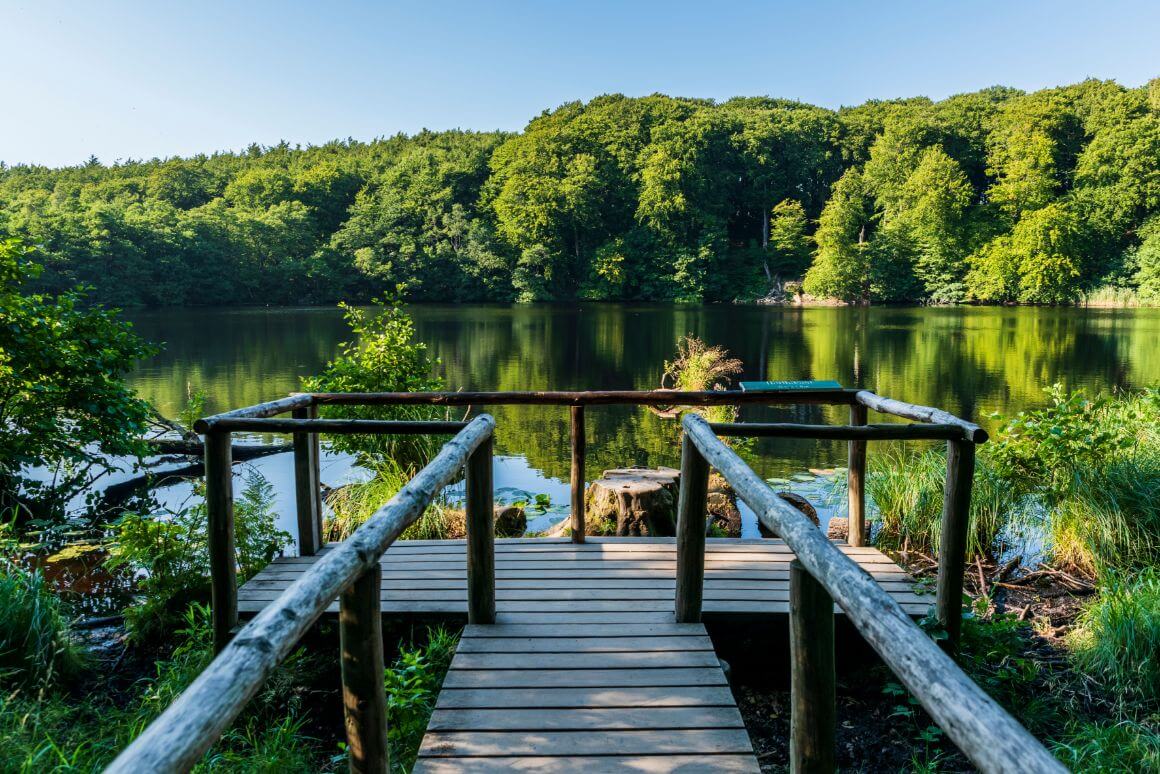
(971, 361)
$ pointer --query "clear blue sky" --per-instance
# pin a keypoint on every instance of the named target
(142, 79)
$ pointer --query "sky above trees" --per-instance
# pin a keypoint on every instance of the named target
(125, 79)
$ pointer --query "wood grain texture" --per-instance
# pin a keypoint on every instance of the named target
(813, 711)
(177, 739)
(690, 541)
(970, 431)
(952, 551)
(988, 735)
(219, 506)
(579, 451)
(618, 697)
(856, 482)
(364, 701)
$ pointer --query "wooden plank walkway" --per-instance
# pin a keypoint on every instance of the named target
(646, 697)
(585, 670)
(605, 580)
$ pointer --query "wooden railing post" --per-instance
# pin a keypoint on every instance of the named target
(364, 701)
(856, 482)
(952, 551)
(691, 509)
(480, 536)
(578, 450)
(813, 714)
(306, 486)
(219, 505)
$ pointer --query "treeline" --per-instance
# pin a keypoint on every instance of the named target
(995, 196)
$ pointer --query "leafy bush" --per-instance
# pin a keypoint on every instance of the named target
(412, 685)
(62, 369)
(35, 648)
(169, 553)
(1117, 639)
(906, 488)
(383, 358)
(1041, 449)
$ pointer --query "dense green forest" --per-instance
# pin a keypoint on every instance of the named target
(995, 196)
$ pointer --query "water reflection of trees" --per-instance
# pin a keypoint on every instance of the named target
(968, 360)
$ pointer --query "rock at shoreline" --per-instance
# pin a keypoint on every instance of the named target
(797, 501)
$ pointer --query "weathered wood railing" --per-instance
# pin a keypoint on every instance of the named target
(822, 575)
(961, 438)
(350, 572)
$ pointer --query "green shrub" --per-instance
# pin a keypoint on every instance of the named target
(383, 358)
(1117, 638)
(169, 553)
(1041, 450)
(412, 683)
(906, 487)
(35, 648)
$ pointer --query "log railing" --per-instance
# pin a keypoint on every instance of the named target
(822, 575)
(350, 572)
(961, 436)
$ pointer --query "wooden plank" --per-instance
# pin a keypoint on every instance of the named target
(583, 678)
(666, 629)
(581, 645)
(603, 764)
(625, 659)
(592, 719)
(474, 744)
(636, 696)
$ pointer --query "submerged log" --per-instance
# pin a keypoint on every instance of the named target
(636, 502)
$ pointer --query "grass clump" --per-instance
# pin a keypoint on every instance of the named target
(412, 684)
(35, 646)
(353, 504)
(699, 367)
(1117, 637)
(906, 487)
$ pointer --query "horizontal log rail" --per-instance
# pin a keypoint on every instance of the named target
(889, 432)
(970, 431)
(990, 737)
(181, 735)
(336, 426)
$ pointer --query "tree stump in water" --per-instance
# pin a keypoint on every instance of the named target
(797, 501)
(633, 502)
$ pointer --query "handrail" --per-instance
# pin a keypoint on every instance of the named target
(177, 739)
(992, 739)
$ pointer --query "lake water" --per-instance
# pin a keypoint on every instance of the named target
(971, 361)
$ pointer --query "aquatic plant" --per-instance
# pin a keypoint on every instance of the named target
(699, 367)
(352, 504)
(906, 488)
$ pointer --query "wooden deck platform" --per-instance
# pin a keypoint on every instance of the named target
(605, 580)
(585, 698)
(585, 669)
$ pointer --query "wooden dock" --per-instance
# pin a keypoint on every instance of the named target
(585, 669)
(604, 580)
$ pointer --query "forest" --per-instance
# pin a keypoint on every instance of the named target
(996, 196)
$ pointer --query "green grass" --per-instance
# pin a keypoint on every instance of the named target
(1117, 638)
(906, 487)
(35, 646)
(61, 732)
(353, 504)
(1109, 519)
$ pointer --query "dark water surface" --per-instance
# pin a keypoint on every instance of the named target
(971, 361)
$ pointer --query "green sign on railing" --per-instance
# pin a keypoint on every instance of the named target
(822, 384)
